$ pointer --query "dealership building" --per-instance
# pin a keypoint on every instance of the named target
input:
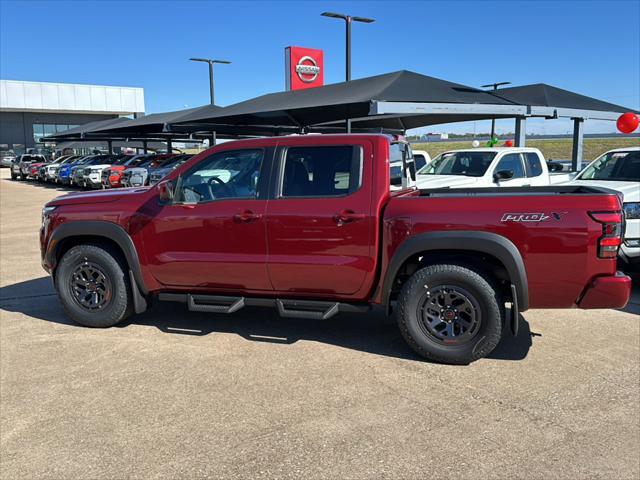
(32, 110)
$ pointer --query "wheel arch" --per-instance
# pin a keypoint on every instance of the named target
(465, 244)
(75, 233)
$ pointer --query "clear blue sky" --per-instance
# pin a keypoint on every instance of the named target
(591, 47)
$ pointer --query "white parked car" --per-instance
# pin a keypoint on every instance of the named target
(485, 167)
(620, 170)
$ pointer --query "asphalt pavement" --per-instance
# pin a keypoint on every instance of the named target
(173, 394)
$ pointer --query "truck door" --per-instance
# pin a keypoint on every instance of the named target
(320, 223)
(512, 162)
(213, 234)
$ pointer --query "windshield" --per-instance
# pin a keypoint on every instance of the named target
(470, 164)
(32, 158)
(614, 166)
(122, 160)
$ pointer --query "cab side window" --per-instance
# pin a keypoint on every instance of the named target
(534, 164)
(513, 162)
(321, 171)
(224, 175)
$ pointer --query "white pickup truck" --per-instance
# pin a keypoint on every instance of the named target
(486, 167)
(620, 170)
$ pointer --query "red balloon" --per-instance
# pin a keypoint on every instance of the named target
(508, 143)
(627, 122)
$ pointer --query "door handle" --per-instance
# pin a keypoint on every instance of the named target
(348, 216)
(246, 216)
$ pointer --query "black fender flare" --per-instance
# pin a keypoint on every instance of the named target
(98, 228)
(462, 240)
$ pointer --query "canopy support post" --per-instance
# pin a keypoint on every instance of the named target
(578, 143)
(110, 146)
(144, 147)
(521, 131)
(169, 146)
(214, 139)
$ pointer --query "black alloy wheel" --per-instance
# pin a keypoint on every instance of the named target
(449, 314)
(90, 286)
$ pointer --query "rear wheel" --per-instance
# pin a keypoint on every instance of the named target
(450, 314)
(93, 286)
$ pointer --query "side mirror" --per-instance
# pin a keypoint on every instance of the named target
(502, 175)
(554, 167)
(165, 191)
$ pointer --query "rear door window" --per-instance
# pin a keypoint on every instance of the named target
(534, 164)
(321, 171)
(420, 161)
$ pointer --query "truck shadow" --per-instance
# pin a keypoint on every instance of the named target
(373, 333)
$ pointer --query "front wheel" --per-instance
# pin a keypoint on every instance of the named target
(93, 286)
(450, 314)
(14, 176)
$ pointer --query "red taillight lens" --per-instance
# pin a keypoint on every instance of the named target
(611, 238)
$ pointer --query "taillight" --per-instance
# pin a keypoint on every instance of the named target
(609, 242)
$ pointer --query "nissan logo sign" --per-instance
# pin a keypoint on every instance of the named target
(307, 69)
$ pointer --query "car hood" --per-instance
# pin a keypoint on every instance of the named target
(102, 166)
(630, 190)
(101, 196)
(446, 181)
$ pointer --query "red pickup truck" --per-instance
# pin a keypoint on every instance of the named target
(311, 225)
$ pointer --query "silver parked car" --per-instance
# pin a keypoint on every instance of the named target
(20, 166)
(7, 157)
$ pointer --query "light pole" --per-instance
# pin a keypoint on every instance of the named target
(348, 20)
(493, 120)
(210, 61)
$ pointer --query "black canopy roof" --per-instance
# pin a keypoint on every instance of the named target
(80, 130)
(543, 95)
(335, 102)
(153, 123)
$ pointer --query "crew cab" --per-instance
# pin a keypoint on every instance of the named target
(310, 225)
(486, 167)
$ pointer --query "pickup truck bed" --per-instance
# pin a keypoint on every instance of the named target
(310, 225)
(549, 226)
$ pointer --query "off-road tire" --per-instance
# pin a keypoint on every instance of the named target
(120, 303)
(14, 176)
(483, 291)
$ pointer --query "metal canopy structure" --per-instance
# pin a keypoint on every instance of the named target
(148, 128)
(81, 130)
(152, 124)
(104, 144)
(392, 102)
(324, 107)
(535, 100)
